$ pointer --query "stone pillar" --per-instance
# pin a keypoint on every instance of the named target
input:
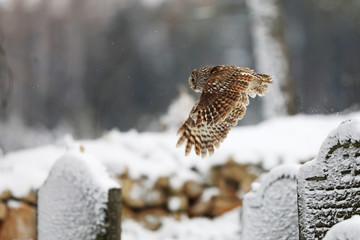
(270, 208)
(329, 186)
(79, 201)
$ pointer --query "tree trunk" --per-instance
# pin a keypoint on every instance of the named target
(270, 56)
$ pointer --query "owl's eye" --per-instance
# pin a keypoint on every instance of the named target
(192, 80)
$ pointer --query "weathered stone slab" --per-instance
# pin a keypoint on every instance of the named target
(270, 208)
(79, 201)
(329, 186)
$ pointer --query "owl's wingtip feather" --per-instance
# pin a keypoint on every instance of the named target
(180, 141)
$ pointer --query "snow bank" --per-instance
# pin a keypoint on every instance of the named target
(72, 202)
(25, 170)
(225, 227)
(150, 155)
(345, 230)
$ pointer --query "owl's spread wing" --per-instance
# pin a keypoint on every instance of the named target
(222, 93)
(222, 103)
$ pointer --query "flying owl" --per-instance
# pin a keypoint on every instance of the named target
(224, 97)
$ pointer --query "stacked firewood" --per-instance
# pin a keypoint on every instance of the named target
(220, 192)
(17, 216)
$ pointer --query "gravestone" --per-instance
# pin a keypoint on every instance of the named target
(270, 209)
(329, 186)
(346, 230)
(79, 201)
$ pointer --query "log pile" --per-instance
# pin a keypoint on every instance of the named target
(17, 216)
(221, 192)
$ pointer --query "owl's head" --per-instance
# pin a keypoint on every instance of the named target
(199, 77)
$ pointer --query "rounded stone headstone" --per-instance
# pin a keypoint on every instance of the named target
(329, 186)
(270, 209)
(73, 203)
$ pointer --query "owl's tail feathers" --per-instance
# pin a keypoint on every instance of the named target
(203, 137)
(260, 84)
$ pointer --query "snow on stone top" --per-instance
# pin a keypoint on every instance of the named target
(277, 141)
(86, 168)
(348, 130)
(85, 171)
(279, 172)
(347, 229)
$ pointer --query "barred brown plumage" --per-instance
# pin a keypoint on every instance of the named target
(224, 97)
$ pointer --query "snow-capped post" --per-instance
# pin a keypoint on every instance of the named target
(329, 186)
(79, 201)
(270, 209)
(270, 55)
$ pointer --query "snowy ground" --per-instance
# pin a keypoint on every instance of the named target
(279, 140)
(225, 227)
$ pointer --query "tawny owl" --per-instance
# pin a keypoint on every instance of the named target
(224, 97)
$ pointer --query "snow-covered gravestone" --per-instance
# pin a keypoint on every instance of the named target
(79, 201)
(270, 208)
(329, 186)
(346, 230)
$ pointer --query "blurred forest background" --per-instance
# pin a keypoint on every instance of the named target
(85, 66)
